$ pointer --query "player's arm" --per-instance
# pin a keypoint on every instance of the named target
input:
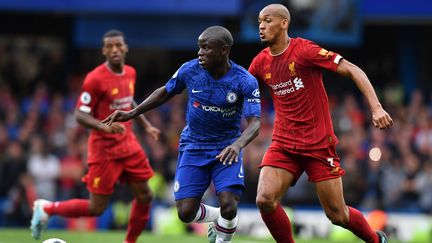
(150, 129)
(90, 122)
(231, 153)
(157, 98)
(380, 117)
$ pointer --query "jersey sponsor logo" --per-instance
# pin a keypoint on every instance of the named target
(210, 108)
(291, 67)
(298, 83)
(254, 100)
(123, 103)
(327, 54)
(85, 98)
(176, 186)
(256, 93)
(196, 91)
(231, 97)
(267, 76)
(114, 91)
(284, 88)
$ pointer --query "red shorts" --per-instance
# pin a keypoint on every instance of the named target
(104, 174)
(319, 165)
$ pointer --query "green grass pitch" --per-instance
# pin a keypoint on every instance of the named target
(23, 236)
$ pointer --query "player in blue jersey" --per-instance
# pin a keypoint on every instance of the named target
(219, 92)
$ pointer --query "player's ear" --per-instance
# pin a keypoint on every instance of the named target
(225, 49)
(285, 24)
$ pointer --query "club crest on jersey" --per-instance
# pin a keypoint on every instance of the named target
(176, 186)
(291, 67)
(231, 97)
(114, 91)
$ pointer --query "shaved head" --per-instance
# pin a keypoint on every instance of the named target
(277, 10)
(218, 33)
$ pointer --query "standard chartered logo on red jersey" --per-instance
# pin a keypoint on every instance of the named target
(122, 103)
(284, 88)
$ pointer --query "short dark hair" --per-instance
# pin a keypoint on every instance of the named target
(113, 33)
(220, 33)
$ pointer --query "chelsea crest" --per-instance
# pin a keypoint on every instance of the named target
(231, 97)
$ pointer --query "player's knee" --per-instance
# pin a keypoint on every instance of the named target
(97, 210)
(144, 198)
(228, 210)
(186, 215)
(266, 202)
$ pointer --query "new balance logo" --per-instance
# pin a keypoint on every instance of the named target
(298, 84)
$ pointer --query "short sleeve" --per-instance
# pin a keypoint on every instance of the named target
(176, 84)
(253, 68)
(314, 55)
(252, 102)
(89, 95)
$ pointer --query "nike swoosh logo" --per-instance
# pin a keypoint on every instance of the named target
(196, 91)
(240, 175)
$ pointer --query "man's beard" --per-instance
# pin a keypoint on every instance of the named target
(265, 43)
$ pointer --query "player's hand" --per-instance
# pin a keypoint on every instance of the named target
(117, 115)
(114, 128)
(229, 154)
(154, 132)
(381, 119)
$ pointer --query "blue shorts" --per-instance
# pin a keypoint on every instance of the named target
(197, 168)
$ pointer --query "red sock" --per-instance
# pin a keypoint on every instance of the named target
(71, 208)
(360, 227)
(279, 225)
(140, 214)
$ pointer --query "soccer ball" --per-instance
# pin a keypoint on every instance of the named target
(54, 240)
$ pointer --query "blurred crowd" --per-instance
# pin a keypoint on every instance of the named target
(43, 149)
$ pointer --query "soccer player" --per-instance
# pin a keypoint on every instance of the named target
(114, 153)
(303, 137)
(219, 92)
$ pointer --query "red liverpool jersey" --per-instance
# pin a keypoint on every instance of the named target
(294, 78)
(102, 93)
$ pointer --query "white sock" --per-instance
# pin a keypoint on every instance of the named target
(207, 214)
(225, 229)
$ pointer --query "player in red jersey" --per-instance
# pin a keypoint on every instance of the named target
(114, 154)
(303, 137)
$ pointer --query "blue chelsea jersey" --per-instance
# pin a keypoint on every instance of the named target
(215, 107)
